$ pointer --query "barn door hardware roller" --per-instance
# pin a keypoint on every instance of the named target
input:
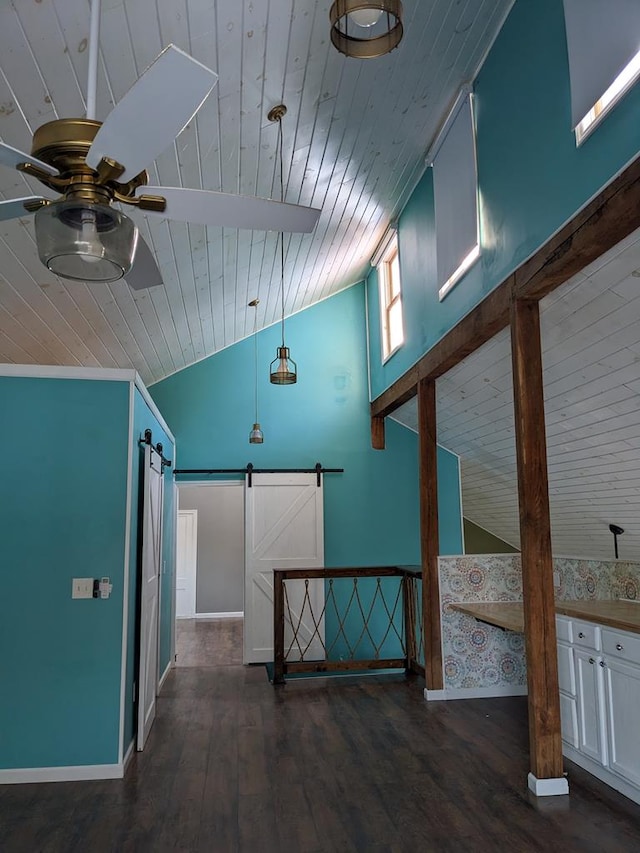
(318, 470)
(148, 439)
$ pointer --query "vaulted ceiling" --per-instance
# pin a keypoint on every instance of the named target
(355, 137)
(591, 357)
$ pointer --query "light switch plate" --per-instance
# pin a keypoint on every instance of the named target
(82, 588)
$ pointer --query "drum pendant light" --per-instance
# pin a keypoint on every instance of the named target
(366, 29)
(283, 369)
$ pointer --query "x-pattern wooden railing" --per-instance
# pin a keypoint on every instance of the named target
(360, 621)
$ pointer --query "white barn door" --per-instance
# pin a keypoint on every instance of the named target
(150, 570)
(284, 528)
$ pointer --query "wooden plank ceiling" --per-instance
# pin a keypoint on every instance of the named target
(355, 137)
(591, 356)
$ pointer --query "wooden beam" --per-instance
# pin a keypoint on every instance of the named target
(429, 543)
(610, 217)
(377, 433)
(545, 744)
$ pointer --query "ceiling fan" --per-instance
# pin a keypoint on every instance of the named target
(80, 235)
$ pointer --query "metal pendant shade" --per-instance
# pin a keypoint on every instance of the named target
(283, 369)
(366, 29)
(256, 436)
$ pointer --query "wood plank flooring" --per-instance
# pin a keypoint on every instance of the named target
(320, 766)
(204, 642)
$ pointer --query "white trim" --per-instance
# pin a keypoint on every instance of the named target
(128, 755)
(79, 773)
(142, 388)
(463, 93)
(464, 544)
(125, 579)
(475, 692)
(59, 371)
(164, 675)
(227, 614)
(385, 244)
(176, 506)
(556, 787)
(612, 779)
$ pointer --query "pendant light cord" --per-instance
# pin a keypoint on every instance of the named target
(282, 232)
(255, 354)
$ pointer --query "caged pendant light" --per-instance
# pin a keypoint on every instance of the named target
(256, 436)
(283, 369)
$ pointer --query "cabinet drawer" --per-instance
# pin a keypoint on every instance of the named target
(563, 629)
(586, 634)
(621, 644)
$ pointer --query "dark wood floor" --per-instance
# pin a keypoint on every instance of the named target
(233, 764)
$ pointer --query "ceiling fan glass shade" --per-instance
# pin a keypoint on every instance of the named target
(366, 29)
(256, 436)
(84, 241)
(283, 369)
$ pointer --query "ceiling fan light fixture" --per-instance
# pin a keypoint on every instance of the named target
(85, 241)
(366, 29)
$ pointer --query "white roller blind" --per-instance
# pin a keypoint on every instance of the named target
(603, 36)
(456, 197)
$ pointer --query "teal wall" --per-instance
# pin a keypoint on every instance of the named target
(63, 499)
(371, 511)
(143, 419)
(531, 178)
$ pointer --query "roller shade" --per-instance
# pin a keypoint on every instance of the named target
(603, 36)
(455, 191)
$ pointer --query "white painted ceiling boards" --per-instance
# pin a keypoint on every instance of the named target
(355, 137)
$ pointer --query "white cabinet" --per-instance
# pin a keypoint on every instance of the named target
(622, 691)
(599, 680)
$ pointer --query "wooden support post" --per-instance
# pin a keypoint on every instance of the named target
(278, 626)
(377, 433)
(429, 543)
(535, 538)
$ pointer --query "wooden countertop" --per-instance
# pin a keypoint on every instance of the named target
(624, 615)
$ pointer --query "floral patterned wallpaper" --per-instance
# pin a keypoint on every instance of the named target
(482, 656)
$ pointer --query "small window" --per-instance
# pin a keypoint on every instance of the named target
(390, 300)
(604, 57)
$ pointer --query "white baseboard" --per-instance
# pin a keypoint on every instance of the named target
(602, 773)
(128, 755)
(475, 692)
(164, 675)
(556, 787)
(236, 614)
(81, 773)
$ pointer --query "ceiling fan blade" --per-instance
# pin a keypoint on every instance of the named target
(153, 112)
(205, 207)
(12, 157)
(14, 208)
(144, 273)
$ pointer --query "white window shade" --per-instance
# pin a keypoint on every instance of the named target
(603, 36)
(456, 196)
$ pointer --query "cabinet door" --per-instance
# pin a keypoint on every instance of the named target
(591, 732)
(623, 700)
(569, 719)
(566, 670)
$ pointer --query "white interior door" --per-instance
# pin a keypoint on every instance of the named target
(149, 594)
(284, 528)
(187, 561)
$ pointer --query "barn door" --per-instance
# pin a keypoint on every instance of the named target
(283, 529)
(150, 569)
